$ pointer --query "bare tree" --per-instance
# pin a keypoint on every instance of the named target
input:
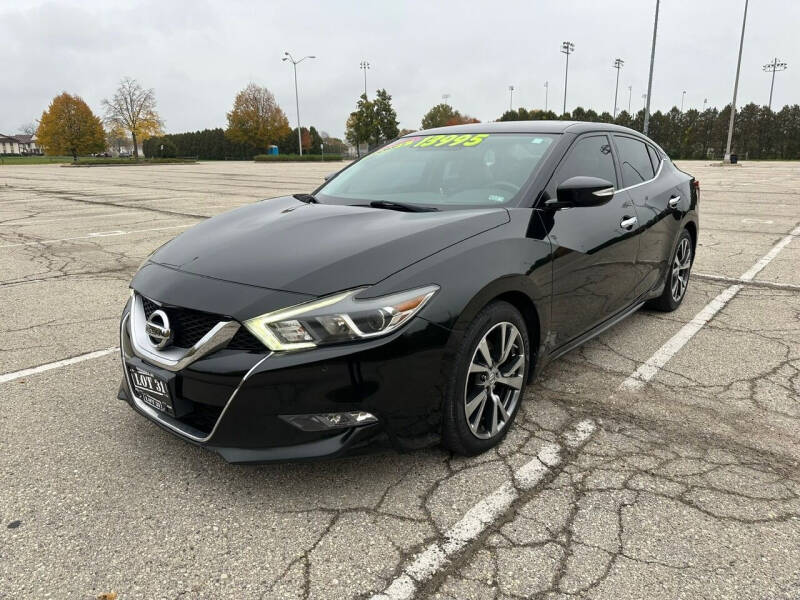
(28, 128)
(133, 109)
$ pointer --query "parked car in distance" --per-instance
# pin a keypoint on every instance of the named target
(412, 296)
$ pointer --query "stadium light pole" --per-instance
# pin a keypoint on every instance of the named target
(290, 58)
(364, 66)
(445, 97)
(683, 97)
(546, 90)
(774, 66)
(727, 157)
(705, 101)
(650, 77)
(511, 99)
(566, 48)
(630, 94)
(617, 65)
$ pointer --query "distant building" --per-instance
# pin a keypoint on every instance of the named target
(21, 144)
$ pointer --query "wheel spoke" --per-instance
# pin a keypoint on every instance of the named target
(503, 411)
(518, 364)
(483, 347)
(514, 381)
(473, 404)
(478, 368)
(494, 414)
(503, 327)
(509, 345)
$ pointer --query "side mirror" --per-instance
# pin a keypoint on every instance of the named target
(331, 175)
(582, 191)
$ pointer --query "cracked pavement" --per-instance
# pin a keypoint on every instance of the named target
(688, 488)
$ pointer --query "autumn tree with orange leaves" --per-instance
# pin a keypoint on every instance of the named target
(256, 119)
(69, 126)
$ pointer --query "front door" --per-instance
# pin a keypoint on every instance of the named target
(594, 248)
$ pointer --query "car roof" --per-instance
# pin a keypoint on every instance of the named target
(553, 126)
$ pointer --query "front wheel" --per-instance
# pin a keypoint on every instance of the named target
(487, 383)
(677, 276)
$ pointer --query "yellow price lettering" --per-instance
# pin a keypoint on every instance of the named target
(444, 140)
(476, 139)
(460, 140)
(428, 141)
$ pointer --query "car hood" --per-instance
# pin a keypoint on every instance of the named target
(317, 249)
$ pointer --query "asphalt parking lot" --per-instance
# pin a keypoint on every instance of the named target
(659, 460)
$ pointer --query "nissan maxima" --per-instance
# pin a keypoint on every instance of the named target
(409, 299)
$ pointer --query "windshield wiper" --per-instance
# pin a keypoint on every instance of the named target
(307, 198)
(401, 206)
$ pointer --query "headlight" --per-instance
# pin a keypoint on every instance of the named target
(337, 318)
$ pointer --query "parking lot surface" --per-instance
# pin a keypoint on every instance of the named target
(659, 460)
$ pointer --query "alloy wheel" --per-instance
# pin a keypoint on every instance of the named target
(680, 269)
(495, 380)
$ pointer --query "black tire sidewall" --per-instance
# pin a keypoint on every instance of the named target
(456, 433)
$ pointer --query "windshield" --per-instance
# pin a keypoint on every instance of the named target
(442, 170)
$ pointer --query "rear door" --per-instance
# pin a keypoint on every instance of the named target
(594, 255)
(649, 182)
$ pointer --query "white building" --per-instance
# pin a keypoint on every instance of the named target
(22, 143)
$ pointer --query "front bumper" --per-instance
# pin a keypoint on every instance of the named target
(235, 398)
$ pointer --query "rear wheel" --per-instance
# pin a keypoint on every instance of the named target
(487, 383)
(677, 276)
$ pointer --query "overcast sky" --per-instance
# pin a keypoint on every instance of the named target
(198, 54)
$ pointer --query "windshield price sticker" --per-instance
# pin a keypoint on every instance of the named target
(438, 141)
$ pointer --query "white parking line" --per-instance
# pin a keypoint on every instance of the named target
(55, 365)
(437, 555)
(655, 363)
(97, 234)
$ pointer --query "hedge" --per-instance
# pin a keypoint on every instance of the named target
(296, 157)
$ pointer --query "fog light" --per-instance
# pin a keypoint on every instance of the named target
(325, 421)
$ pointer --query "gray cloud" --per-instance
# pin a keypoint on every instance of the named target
(197, 55)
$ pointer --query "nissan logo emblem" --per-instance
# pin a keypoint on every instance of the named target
(157, 329)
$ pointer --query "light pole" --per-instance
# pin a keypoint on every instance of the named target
(727, 157)
(705, 101)
(546, 90)
(644, 104)
(774, 66)
(650, 78)
(364, 67)
(294, 62)
(683, 97)
(445, 97)
(630, 94)
(511, 99)
(617, 65)
(566, 48)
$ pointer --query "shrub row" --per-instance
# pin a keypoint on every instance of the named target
(296, 157)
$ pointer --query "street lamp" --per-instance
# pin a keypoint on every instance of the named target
(727, 157)
(617, 65)
(364, 66)
(511, 99)
(546, 90)
(290, 58)
(774, 66)
(566, 48)
(650, 77)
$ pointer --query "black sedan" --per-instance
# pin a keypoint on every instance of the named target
(410, 298)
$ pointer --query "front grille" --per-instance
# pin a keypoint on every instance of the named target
(188, 325)
(191, 325)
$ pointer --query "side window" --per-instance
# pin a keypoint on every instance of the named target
(590, 157)
(655, 157)
(634, 160)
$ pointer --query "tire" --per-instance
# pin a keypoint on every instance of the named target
(490, 390)
(677, 277)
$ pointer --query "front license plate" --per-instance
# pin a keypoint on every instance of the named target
(151, 389)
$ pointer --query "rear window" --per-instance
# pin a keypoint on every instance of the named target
(634, 160)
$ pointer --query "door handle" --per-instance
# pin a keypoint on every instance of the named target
(628, 222)
(673, 202)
